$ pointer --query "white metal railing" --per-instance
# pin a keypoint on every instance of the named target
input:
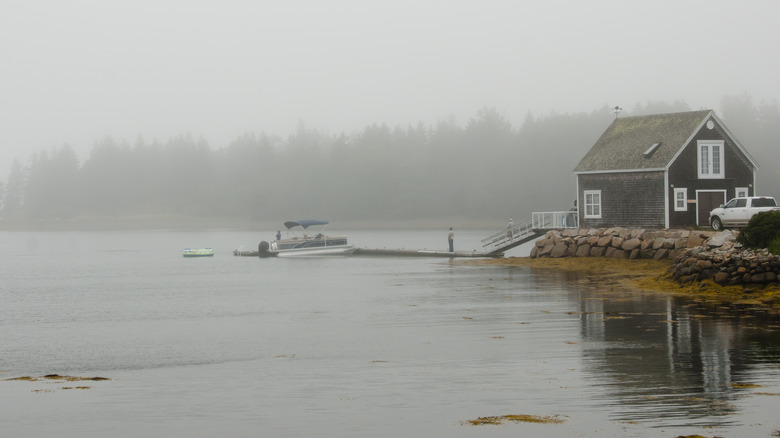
(504, 238)
(539, 221)
(555, 219)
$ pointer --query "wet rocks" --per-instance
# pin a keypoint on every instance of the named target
(696, 255)
(728, 264)
(617, 242)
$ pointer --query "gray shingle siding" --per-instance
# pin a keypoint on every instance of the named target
(629, 199)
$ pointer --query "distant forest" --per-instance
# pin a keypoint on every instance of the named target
(482, 172)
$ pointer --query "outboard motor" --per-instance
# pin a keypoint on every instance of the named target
(262, 249)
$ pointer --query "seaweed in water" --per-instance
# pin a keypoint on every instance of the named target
(57, 377)
(555, 419)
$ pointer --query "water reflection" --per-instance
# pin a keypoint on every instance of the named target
(388, 346)
(669, 357)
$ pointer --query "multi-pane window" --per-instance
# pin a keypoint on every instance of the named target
(592, 203)
(680, 199)
(710, 159)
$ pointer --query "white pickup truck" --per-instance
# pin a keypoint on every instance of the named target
(738, 211)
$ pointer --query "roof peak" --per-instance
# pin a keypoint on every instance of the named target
(704, 111)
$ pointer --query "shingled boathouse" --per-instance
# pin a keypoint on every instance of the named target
(662, 171)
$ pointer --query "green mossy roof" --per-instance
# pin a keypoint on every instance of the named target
(623, 144)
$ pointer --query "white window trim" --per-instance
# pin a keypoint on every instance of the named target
(585, 204)
(708, 172)
(741, 192)
(684, 199)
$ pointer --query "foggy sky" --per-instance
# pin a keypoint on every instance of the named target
(76, 71)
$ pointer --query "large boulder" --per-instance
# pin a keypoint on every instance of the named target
(661, 253)
(721, 277)
(582, 251)
(559, 250)
(630, 244)
(637, 233)
(694, 240)
(597, 251)
(546, 250)
(619, 254)
(677, 253)
(720, 239)
(604, 241)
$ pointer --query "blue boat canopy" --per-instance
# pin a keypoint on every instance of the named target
(304, 224)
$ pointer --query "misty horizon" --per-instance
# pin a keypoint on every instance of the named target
(485, 170)
(78, 72)
(279, 139)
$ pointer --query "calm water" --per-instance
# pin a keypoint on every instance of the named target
(356, 346)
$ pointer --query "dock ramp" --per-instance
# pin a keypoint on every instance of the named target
(540, 222)
(503, 241)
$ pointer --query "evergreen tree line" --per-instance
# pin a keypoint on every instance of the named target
(485, 170)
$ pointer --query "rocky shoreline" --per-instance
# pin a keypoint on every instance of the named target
(696, 255)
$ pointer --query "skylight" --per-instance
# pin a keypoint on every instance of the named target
(651, 149)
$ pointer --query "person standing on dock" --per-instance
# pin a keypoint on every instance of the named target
(278, 234)
(509, 227)
(450, 239)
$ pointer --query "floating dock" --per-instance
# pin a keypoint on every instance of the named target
(399, 253)
(421, 253)
(492, 246)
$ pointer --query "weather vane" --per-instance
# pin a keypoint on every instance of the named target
(617, 109)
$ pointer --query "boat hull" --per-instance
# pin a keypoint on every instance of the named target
(311, 244)
(200, 252)
(314, 251)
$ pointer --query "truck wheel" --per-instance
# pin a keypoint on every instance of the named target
(717, 225)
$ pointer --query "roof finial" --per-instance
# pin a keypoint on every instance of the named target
(617, 109)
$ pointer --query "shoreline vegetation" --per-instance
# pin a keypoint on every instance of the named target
(652, 276)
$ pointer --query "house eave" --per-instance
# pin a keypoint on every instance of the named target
(728, 134)
(594, 172)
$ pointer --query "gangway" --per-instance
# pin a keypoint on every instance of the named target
(503, 241)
